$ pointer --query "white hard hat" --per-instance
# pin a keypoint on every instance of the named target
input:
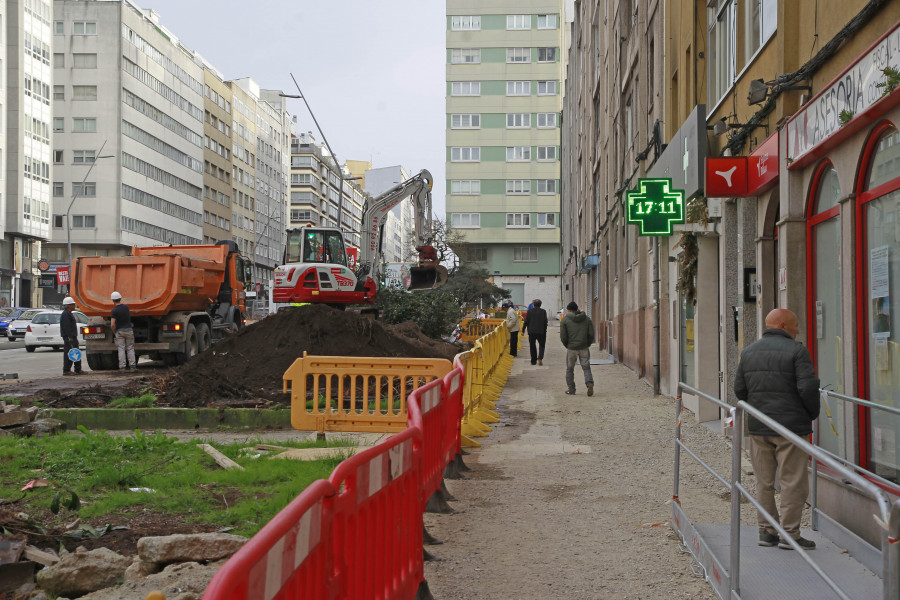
(68, 300)
(115, 296)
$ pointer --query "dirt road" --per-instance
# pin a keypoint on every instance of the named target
(569, 496)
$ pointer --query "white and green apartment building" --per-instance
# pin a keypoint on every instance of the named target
(504, 85)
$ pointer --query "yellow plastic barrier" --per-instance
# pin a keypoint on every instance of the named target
(351, 393)
(472, 329)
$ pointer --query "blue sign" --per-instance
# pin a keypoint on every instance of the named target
(74, 354)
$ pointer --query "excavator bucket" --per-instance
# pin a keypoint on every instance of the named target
(427, 278)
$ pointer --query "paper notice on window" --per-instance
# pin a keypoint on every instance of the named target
(882, 355)
(880, 286)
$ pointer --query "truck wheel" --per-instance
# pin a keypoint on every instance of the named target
(191, 346)
(94, 361)
(203, 337)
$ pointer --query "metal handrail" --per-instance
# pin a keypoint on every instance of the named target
(888, 520)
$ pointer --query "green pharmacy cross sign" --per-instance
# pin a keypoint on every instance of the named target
(655, 207)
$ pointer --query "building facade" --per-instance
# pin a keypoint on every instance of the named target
(217, 163)
(787, 158)
(25, 176)
(504, 77)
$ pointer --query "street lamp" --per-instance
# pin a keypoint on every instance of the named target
(300, 95)
(75, 193)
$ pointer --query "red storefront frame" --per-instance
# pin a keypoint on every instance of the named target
(862, 242)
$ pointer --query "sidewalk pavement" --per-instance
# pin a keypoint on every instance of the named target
(569, 496)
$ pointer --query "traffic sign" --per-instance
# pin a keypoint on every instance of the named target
(62, 275)
(655, 206)
(43, 265)
(74, 354)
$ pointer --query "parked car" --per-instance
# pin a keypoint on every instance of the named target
(44, 330)
(16, 328)
(8, 315)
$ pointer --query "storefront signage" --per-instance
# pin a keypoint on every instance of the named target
(655, 206)
(62, 275)
(762, 167)
(852, 93)
(684, 158)
(726, 177)
(47, 281)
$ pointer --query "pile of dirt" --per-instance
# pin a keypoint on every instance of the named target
(250, 364)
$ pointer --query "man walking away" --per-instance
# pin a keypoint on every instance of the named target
(536, 325)
(577, 334)
(776, 376)
(123, 332)
(68, 330)
(512, 324)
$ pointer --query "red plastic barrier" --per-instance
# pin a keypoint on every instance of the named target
(291, 557)
(359, 534)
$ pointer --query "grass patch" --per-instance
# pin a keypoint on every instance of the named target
(101, 470)
(146, 400)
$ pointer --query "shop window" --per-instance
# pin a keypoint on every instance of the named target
(825, 318)
(879, 297)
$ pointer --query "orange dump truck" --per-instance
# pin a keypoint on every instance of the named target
(181, 298)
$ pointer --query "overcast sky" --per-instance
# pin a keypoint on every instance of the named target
(372, 71)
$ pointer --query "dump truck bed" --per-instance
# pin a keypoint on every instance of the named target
(153, 281)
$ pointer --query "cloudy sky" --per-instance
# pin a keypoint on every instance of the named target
(372, 71)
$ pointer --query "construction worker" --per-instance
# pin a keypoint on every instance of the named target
(120, 319)
(68, 330)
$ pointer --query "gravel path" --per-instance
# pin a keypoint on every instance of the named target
(570, 496)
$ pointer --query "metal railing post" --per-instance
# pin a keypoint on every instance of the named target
(677, 444)
(737, 431)
(814, 484)
(890, 544)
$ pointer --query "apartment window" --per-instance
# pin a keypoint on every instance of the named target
(465, 220)
(58, 28)
(546, 153)
(629, 123)
(518, 153)
(86, 189)
(465, 154)
(465, 186)
(59, 221)
(760, 19)
(546, 88)
(83, 156)
(518, 88)
(58, 189)
(465, 88)
(465, 121)
(546, 54)
(59, 92)
(465, 56)
(518, 186)
(525, 254)
(518, 22)
(518, 120)
(518, 220)
(84, 92)
(83, 221)
(59, 60)
(84, 28)
(547, 186)
(547, 21)
(84, 61)
(57, 157)
(546, 220)
(477, 254)
(84, 124)
(58, 123)
(518, 55)
(721, 47)
(546, 120)
(465, 23)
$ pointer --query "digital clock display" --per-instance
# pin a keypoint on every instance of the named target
(655, 206)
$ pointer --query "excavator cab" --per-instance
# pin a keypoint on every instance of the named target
(428, 274)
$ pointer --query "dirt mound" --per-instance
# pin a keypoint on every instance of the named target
(250, 364)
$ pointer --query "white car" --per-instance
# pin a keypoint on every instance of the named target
(16, 329)
(44, 330)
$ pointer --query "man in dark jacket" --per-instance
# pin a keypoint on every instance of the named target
(68, 331)
(536, 324)
(776, 376)
(576, 332)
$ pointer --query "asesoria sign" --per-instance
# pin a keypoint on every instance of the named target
(854, 91)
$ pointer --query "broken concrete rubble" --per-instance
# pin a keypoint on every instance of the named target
(82, 572)
(188, 547)
(15, 420)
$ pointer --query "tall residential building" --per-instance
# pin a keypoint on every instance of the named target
(217, 163)
(129, 96)
(243, 169)
(25, 151)
(504, 68)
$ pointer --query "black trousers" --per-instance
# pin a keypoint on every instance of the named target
(513, 343)
(533, 340)
(68, 344)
